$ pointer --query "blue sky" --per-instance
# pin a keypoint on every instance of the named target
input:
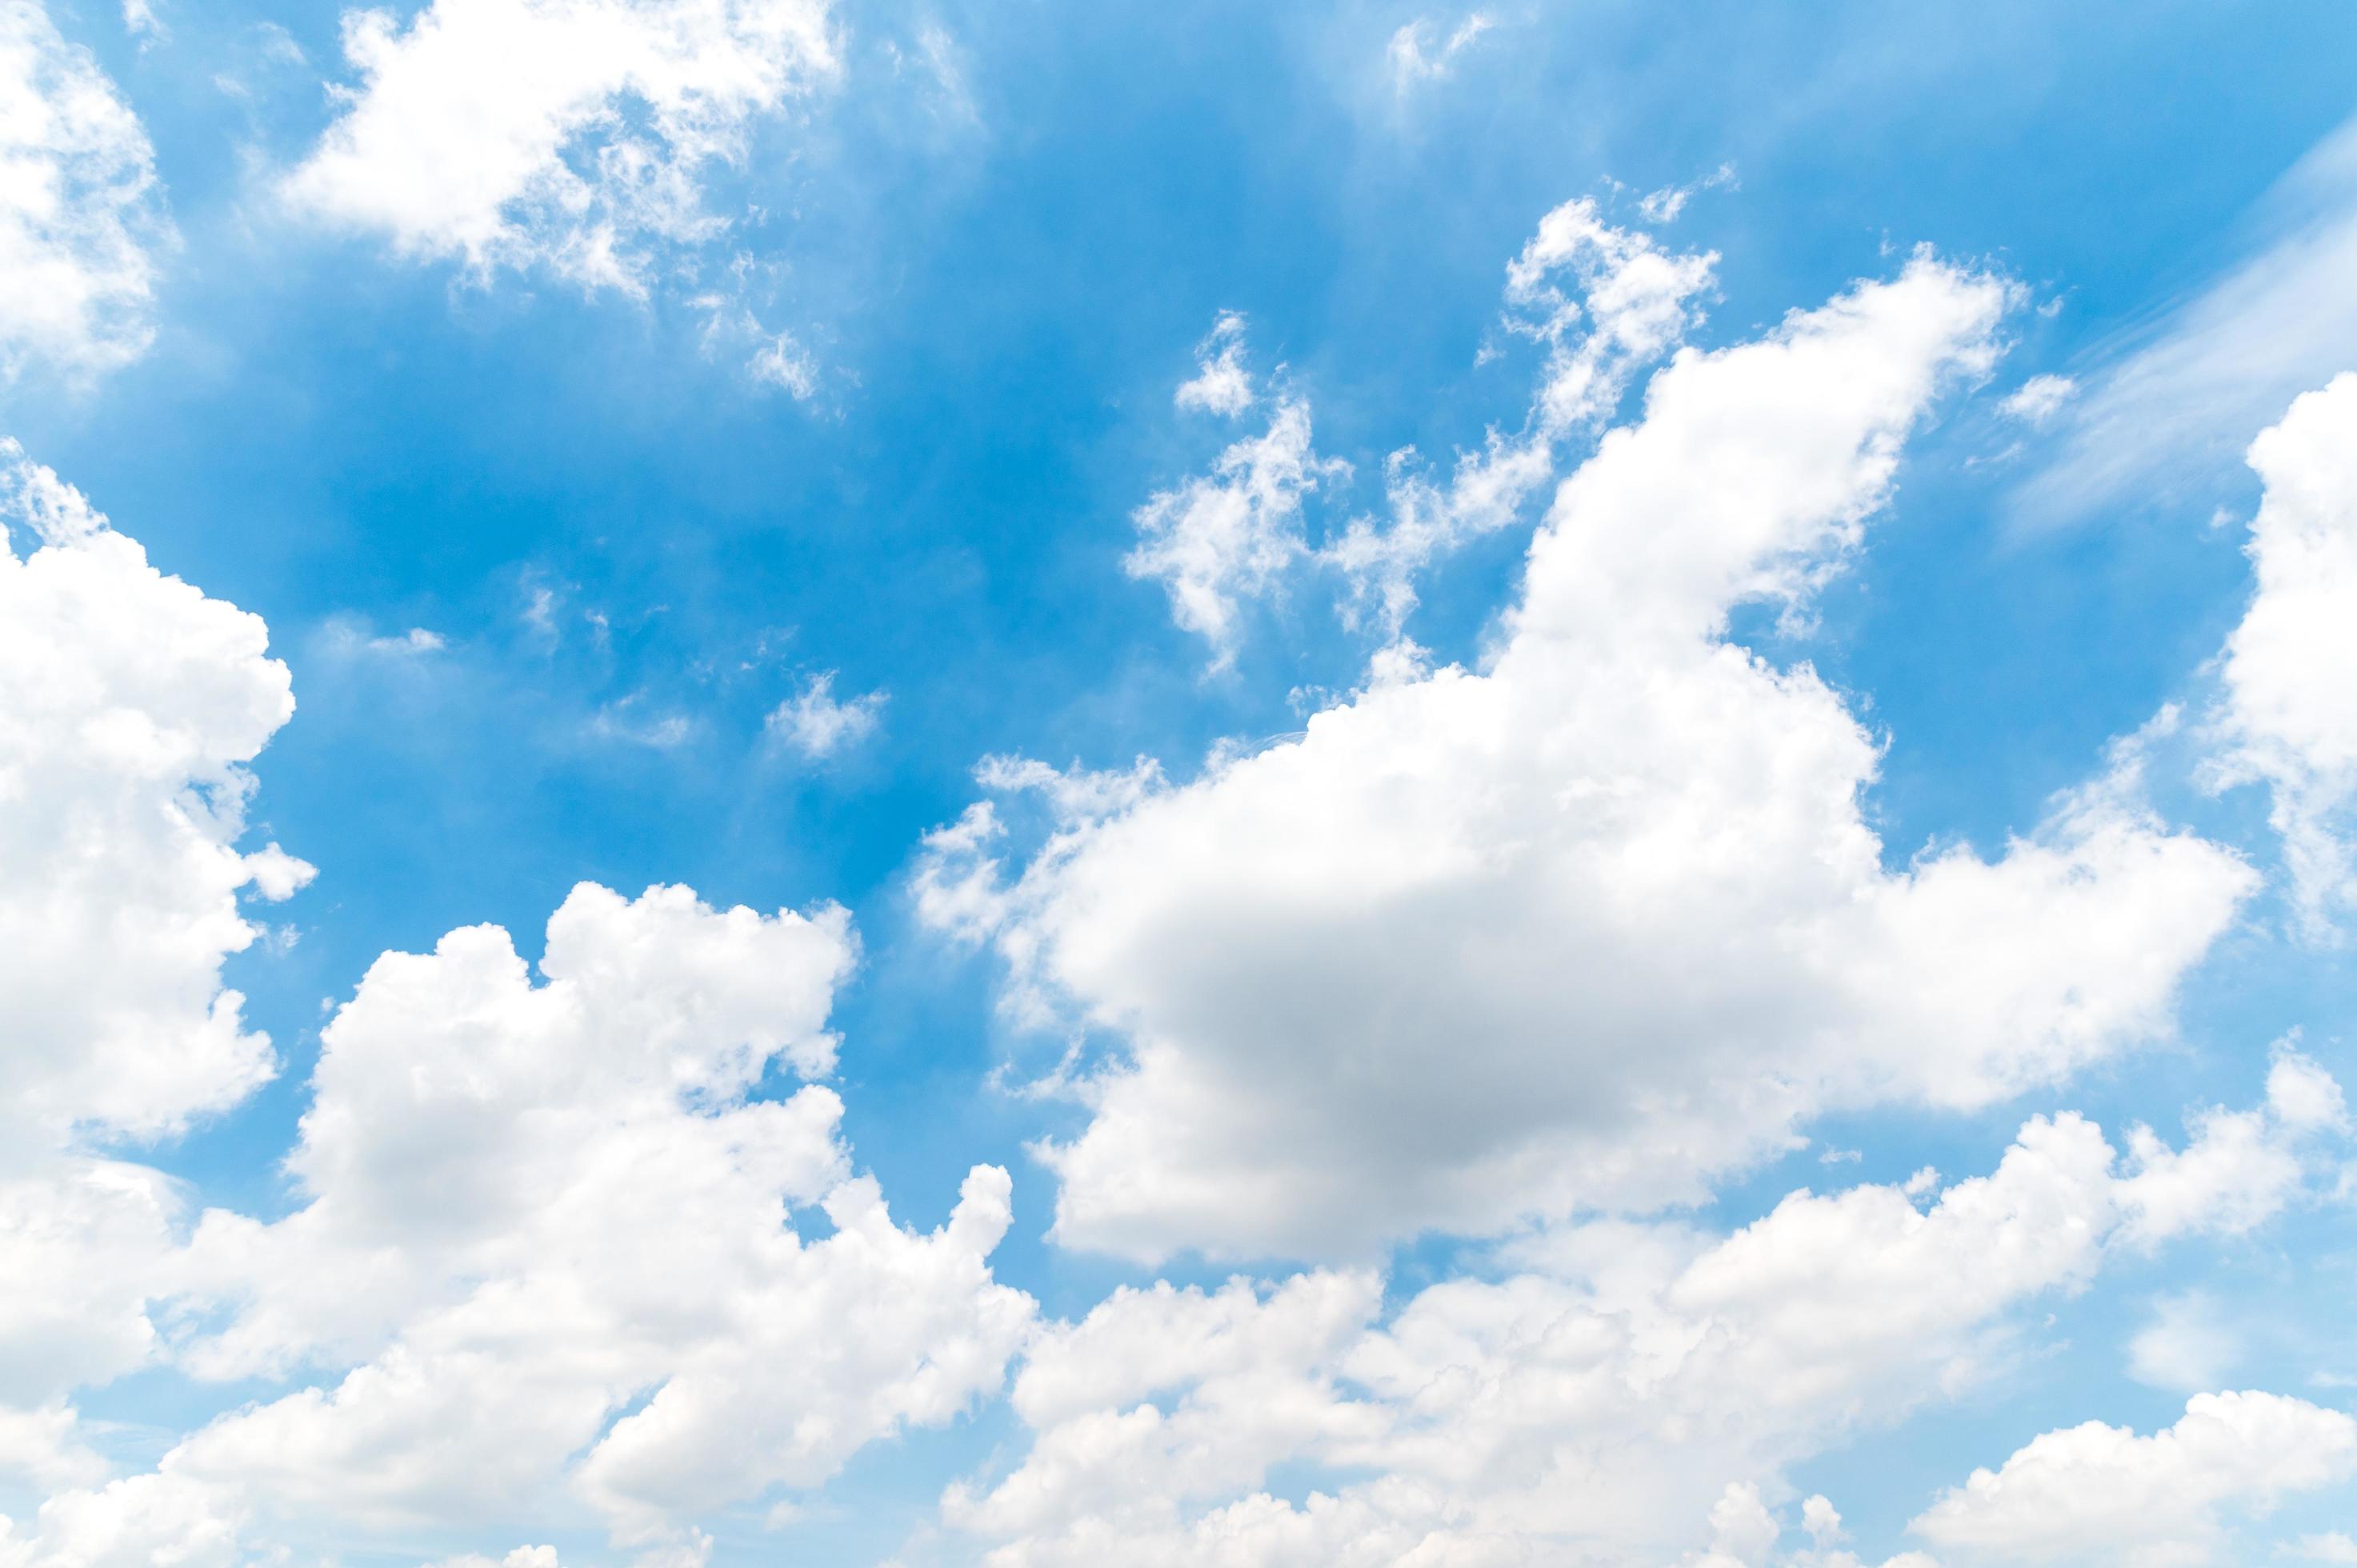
(1474, 987)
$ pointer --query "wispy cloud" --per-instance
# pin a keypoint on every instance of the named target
(2170, 406)
(1422, 52)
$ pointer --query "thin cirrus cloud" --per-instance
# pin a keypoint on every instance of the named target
(1670, 936)
(2166, 408)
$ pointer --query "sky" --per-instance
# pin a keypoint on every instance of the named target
(800, 782)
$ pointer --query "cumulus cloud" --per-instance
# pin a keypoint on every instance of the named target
(2286, 717)
(1597, 920)
(547, 1236)
(815, 724)
(573, 135)
(2102, 1495)
(81, 212)
(1580, 1397)
(565, 1244)
(135, 705)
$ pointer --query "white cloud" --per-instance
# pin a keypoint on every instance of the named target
(1663, 205)
(1607, 302)
(1420, 51)
(1222, 385)
(1232, 534)
(2099, 1494)
(80, 213)
(135, 705)
(2242, 1167)
(2286, 717)
(1603, 919)
(774, 359)
(347, 636)
(573, 134)
(2330, 1547)
(2169, 410)
(521, 1557)
(785, 364)
(1579, 1397)
(2038, 399)
(548, 1260)
(544, 1249)
(140, 20)
(815, 724)
(631, 722)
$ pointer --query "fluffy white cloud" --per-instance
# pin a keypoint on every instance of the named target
(2287, 717)
(815, 726)
(135, 704)
(80, 213)
(559, 1251)
(2101, 1494)
(573, 134)
(1580, 1400)
(552, 1236)
(1745, 1533)
(1603, 918)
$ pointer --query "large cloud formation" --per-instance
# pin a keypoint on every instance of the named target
(1585, 1394)
(563, 1244)
(1603, 917)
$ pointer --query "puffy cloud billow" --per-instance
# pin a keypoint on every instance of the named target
(1603, 918)
(1590, 1391)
